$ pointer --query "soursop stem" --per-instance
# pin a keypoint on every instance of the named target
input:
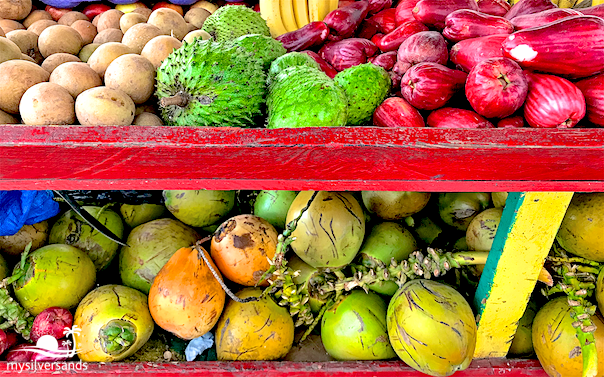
(180, 99)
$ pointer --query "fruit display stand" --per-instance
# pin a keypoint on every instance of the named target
(541, 167)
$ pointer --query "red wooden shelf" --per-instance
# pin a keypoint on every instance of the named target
(360, 158)
(479, 368)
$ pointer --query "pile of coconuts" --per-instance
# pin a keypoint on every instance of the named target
(64, 68)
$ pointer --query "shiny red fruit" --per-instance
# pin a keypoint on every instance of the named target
(449, 117)
(93, 10)
(466, 24)
(428, 86)
(553, 102)
(425, 46)
(396, 112)
(496, 88)
(469, 52)
(593, 91)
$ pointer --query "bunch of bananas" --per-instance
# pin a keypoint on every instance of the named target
(284, 16)
(571, 3)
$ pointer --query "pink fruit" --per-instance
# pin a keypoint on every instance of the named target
(51, 321)
(377, 38)
(597, 10)
(19, 354)
(7, 340)
(528, 7)
(404, 11)
(553, 102)
(59, 357)
(325, 67)
(385, 20)
(494, 7)
(393, 40)
(466, 24)
(386, 60)
(425, 46)
(541, 18)
(449, 117)
(367, 29)
(376, 6)
(572, 47)
(496, 87)
(514, 121)
(593, 91)
(344, 21)
(396, 81)
(348, 53)
(434, 12)
(428, 86)
(467, 53)
(312, 34)
(396, 112)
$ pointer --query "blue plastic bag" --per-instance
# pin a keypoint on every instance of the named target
(18, 208)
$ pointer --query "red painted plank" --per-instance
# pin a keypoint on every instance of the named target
(479, 368)
(414, 159)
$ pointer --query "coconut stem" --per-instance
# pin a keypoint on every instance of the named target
(576, 278)
(180, 99)
(15, 316)
(117, 336)
(201, 251)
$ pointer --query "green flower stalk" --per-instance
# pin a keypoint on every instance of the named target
(576, 277)
(330, 284)
(14, 315)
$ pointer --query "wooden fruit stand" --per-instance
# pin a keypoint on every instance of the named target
(541, 167)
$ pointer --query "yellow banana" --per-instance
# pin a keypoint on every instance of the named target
(596, 2)
(318, 9)
(271, 12)
(333, 5)
(301, 12)
(287, 15)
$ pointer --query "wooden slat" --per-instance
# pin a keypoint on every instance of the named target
(479, 368)
(417, 159)
(524, 237)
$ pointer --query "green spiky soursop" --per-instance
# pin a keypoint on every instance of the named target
(366, 87)
(264, 48)
(208, 84)
(291, 59)
(233, 21)
(304, 96)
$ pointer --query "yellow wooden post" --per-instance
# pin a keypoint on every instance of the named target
(524, 237)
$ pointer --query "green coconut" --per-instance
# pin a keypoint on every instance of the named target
(395, 205)
(499, 199)
(55, 275)
(522, 344)
(425, 228)
(432, 327)
(72, 229)
(386, 241)
(582, 229)
(354, 328)
(199, 208)
(272, 206)
(457, 209)
(150, 247)
(555, 340)
(482, 229)
(600, 291)
(330, 232)
(3, 268)
(137, 214)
